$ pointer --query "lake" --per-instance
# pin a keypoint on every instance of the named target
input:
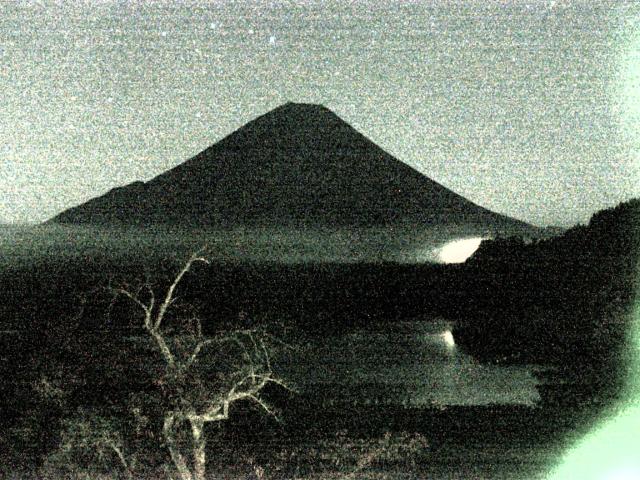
(408, 244)
(410, 363)
(413, 364)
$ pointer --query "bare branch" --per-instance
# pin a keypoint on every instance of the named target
(119, 453)
(280, 382)
(279, 341)
(169, 296)
(132, 297)
(198, 326)
(266, 356)
(196, 351)
(217, 414)
(152, 296)
(265, 406)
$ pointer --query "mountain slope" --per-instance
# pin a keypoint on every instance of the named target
(298, 165)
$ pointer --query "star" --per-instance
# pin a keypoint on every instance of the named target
(272, 40)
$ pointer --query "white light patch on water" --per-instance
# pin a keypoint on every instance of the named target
(459, 250)
(449, 341)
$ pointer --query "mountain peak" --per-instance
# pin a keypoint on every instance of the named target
(297, 165)
(296, 106)
(301, 112)
(301, 127)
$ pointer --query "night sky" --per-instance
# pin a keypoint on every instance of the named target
(528, 108)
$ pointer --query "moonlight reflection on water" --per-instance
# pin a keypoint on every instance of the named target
(448, 339)
(459, 250)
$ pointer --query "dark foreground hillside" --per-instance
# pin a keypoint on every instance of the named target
(70, 350)
(93, 374)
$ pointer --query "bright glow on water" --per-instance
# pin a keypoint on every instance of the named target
(459, 250)
(448, 339)
(629, 97)
(283, 245)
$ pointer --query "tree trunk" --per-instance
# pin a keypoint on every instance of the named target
(199, 445)
(170, 438)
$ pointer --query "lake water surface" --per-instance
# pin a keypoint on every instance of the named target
(410, 363)
(284, 245)
(413, 363)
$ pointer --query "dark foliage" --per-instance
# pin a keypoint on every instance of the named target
(565, 301)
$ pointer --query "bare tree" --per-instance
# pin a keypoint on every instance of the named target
(203, 375)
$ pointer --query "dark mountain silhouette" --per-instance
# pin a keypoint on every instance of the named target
(297, 165)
